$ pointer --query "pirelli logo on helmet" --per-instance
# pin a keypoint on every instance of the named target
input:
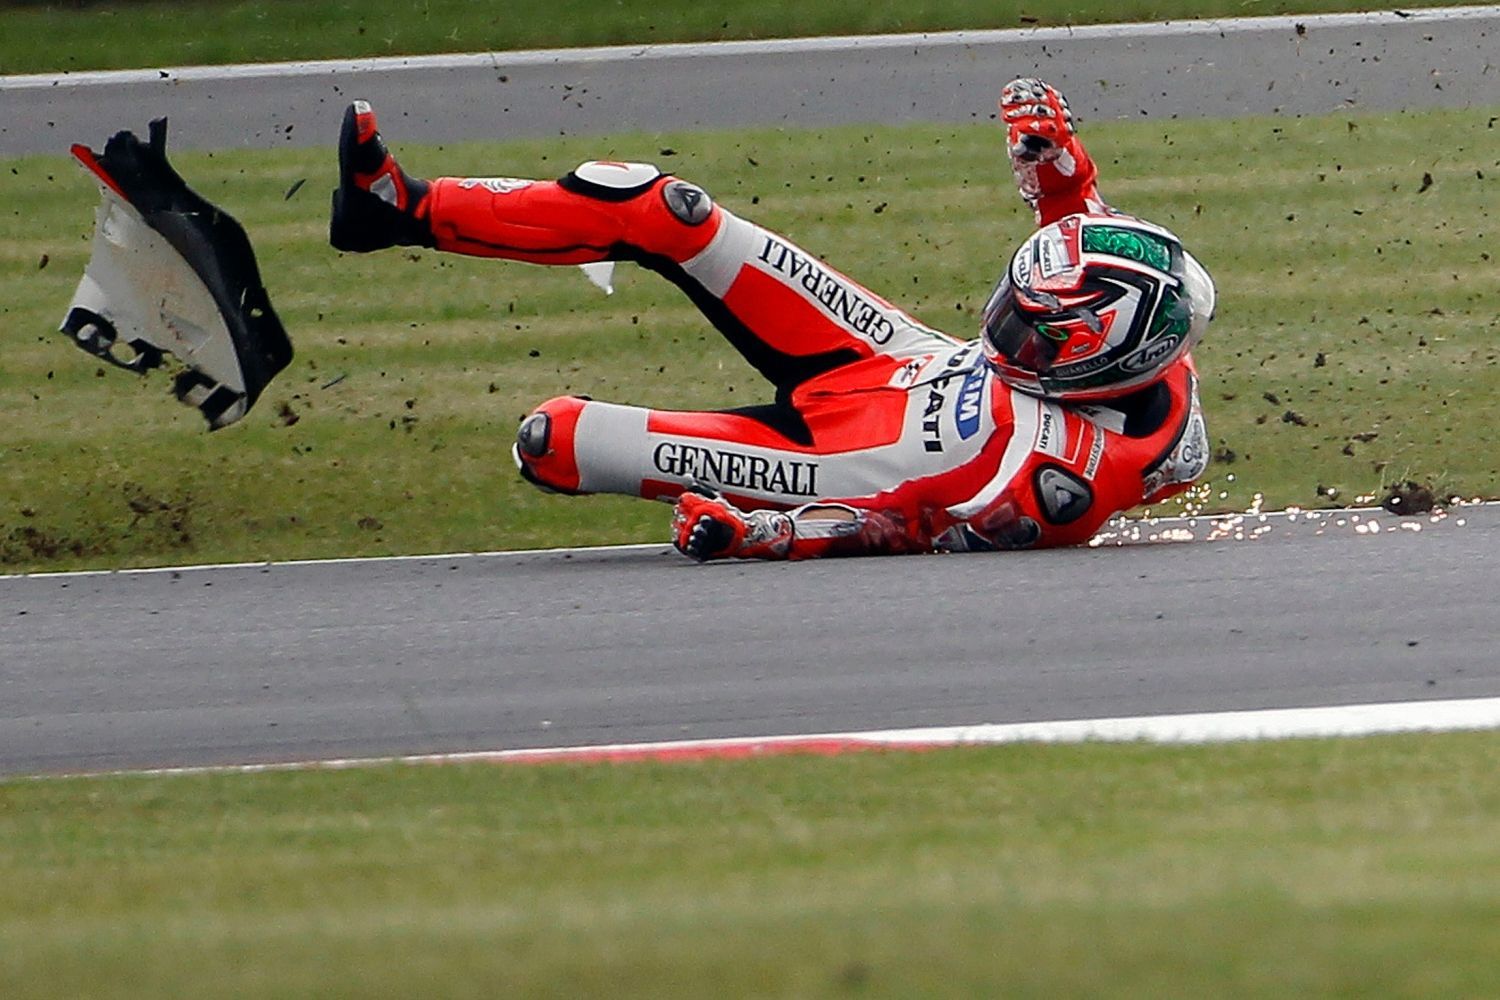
(841, 301)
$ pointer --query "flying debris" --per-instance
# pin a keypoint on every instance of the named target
(171, 273)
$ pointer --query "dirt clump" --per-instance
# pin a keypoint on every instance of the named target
(1409, 497)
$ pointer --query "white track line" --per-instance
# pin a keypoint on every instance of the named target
(1202, 727)
(1153, 530)
(693, 50)
(342, 560)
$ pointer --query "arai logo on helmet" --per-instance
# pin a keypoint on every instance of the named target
(1150, 356)
(1020, 267)
(1045, 255)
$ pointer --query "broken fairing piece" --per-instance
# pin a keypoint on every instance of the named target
(173, 274)
(602, 274)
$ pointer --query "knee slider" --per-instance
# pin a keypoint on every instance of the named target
(688, 203)
(544, 451)
(604, 180)
(533, 435)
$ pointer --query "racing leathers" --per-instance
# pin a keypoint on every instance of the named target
(884, 436)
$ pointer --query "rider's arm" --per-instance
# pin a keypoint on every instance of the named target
(706, 526)
(1051, 167)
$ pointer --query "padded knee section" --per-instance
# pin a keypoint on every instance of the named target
(544, 448)
(605, 180)
(663, 215)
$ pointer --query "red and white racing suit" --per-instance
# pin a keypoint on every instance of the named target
(900, 430)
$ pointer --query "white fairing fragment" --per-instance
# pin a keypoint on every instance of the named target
(172, 273)
(143, 289)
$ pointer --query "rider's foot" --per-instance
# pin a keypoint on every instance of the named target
(376, 204)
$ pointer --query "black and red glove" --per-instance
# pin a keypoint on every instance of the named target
(706, 526)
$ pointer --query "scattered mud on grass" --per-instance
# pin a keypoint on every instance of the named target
(168, 517)
(31, 544)
(148, 522)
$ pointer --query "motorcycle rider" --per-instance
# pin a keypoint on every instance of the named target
(1078, 401)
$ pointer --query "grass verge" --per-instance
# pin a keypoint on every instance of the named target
(1354, 867)
(119, 34)
(1355, 346)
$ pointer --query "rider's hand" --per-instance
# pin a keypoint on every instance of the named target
(706, 526)
(1038, 123)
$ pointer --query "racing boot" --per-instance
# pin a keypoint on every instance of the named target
(376, 204)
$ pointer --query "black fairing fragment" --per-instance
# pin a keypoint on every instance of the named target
(213, 244)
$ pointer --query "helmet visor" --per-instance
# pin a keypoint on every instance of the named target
(1016, 336)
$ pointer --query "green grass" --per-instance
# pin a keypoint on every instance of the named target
(80, 34)
(1352, 300)
(1299, 868)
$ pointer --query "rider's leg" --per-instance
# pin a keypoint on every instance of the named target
(574, 445)
(759, 457)
(789, 314)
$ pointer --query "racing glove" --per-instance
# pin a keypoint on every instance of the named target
(1051, 167)
(706, 526)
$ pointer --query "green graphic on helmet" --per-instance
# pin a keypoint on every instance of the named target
(1132, 244)
(1175, 316)
(1095, 306)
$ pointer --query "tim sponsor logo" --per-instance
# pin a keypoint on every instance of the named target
(970, 404)
(838, 299)
(736, 470)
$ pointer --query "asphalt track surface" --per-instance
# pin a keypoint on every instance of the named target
(283, 662)
(1276, 65)
(307, 661)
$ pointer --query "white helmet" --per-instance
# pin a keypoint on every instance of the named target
(1095, 306)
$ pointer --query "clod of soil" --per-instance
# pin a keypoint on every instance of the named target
(1409, 498)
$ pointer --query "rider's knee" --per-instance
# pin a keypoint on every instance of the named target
(664, 215)
(546, 445)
